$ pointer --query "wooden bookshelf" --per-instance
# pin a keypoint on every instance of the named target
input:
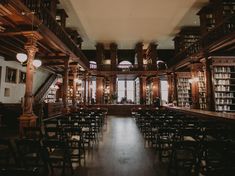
(224, 83)
(202, 90)
(184, 89)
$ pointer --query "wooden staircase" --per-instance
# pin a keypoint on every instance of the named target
(42, 92)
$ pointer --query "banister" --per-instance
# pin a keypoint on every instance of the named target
(44, 89)
(225, 28)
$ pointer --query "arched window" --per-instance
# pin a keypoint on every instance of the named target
(93, 65)
(125, 64)
(161, 65)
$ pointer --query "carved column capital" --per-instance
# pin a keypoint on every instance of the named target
(65, 84)
(74, 70)
(196, 66)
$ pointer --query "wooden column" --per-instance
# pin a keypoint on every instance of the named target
(152, 55)
(210, 103)
(170, 87)
(89, 89)
(139, 55)
(113, 84)
(113, 56)
(175, 91)
(195, 68)
(75, 76)
(99, 55)
(85, 89)
(99, 90)
(156, 88)
(65, 85)
(143, 85)
(28, 118)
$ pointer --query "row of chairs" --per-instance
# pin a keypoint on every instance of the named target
(192, 145)
(46, 155)
(59, 143)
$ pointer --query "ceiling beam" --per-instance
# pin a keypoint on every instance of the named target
(54, 58)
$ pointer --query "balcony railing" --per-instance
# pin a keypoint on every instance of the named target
(41, 9)
(221, 31)
(224, 29)
(123, 67)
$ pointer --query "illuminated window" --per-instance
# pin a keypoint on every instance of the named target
(125, 64)
(130, 90)
(121, 90)
(93, 65)
(164, 91)
(127, 92)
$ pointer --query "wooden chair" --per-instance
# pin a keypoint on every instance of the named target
(185, 154)
(7, 154)
(58, 155)
(19, 172)
(31, 154)
(74, 137)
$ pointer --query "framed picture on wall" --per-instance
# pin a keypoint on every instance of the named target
(10, 75)
(22, 77)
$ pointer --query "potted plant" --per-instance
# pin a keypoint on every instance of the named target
(113, 98)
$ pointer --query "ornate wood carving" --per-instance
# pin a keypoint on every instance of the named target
(113, 56)
(65, 85)
(139, 55)
(99, 90)
(156, 87)
(143, 86)
(209, 85)
(195, 68)
(75, 75)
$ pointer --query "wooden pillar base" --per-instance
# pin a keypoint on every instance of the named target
(27, 120)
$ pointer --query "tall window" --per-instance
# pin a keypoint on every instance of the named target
(93, 89)
(164, 91)
(130, 90)
(124, 64)
(126, 91)
(121, 90)
(93, 65)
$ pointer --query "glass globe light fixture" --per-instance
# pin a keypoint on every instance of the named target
(21, 57)
(37, 63)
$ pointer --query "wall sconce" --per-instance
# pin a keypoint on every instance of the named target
(21, 57)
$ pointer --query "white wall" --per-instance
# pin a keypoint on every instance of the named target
(17, 89)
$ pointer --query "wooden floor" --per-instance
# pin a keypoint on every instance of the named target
(121, 152)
